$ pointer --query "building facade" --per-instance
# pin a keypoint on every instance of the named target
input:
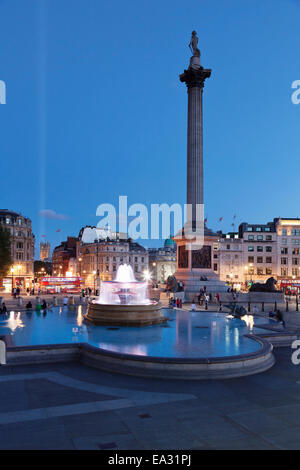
(61, 256)
(259, 251)
(22, 250)
(163, 261)
(100, 252)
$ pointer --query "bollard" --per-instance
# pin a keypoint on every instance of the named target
(55, 301)
(205, 305)
(297, 306)
(287, 306)
(275, 307)
(20, 301)
(2, 353)
(262, 306)
(248, 306)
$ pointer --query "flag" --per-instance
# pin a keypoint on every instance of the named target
(220, 219)
(58, 230)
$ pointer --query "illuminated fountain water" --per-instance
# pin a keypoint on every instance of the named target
(124, 301)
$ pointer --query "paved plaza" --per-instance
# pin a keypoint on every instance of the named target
(70, 406)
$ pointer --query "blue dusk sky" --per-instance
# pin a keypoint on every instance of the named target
(95, 108)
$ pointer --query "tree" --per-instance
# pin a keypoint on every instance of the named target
(5, 253)
(42, 266)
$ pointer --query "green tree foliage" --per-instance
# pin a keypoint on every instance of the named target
(5, 252)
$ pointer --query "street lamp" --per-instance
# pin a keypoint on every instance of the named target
(80, 259)
(12, 275)
(94, 272)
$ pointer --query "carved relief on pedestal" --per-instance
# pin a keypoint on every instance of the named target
(183, 260)
(202, 258)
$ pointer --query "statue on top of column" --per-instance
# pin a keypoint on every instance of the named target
(193, 44)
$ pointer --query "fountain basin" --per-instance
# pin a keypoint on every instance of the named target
(125, 315)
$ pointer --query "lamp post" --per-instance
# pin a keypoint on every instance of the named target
(94, 272)
(80, 259)
(12, 275)
(19, 269)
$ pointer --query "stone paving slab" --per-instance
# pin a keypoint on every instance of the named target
(91, 409)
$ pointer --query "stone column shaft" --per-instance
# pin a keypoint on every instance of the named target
(194, 79)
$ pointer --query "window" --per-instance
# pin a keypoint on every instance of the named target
(20, 221)
(215, 267)
(250, 248)
(283, 231)
(284, 271)
(268, 259)
(260, 237)
(250, 259)
(295, 241)
(249, 229)
(284, 241)
(268, 249)
(267, 229)
(251, 271)
(260, 248)
(19, 245)
(295, 232)
(269, 271)
(284, 261)
(295, 261)
(295, 271)
(259, 259)
(114, 267)
(227, 247)
(142, 259)
(7, 220)
(250, 237)
(260, 271)
(258, 229)
(215, 256)
(268, 237)
(19, 255)
(135, 259)
(295, 251)
(284, 251)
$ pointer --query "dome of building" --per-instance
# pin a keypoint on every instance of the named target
(169, 243)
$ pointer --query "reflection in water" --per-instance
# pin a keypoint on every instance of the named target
(135, 350)
(79, 316)
(249, 320)
(184, 335)
(14, 321)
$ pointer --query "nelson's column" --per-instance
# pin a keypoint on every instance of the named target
(197, 262)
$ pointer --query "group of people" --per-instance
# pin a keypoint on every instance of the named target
(175, 303)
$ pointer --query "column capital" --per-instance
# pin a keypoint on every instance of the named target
(195, 77)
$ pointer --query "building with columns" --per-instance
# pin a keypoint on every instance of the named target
(100, 252)
(22, 250)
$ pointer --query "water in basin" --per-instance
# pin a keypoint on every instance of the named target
(186, 334)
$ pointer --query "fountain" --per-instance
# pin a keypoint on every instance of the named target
(124, 302)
